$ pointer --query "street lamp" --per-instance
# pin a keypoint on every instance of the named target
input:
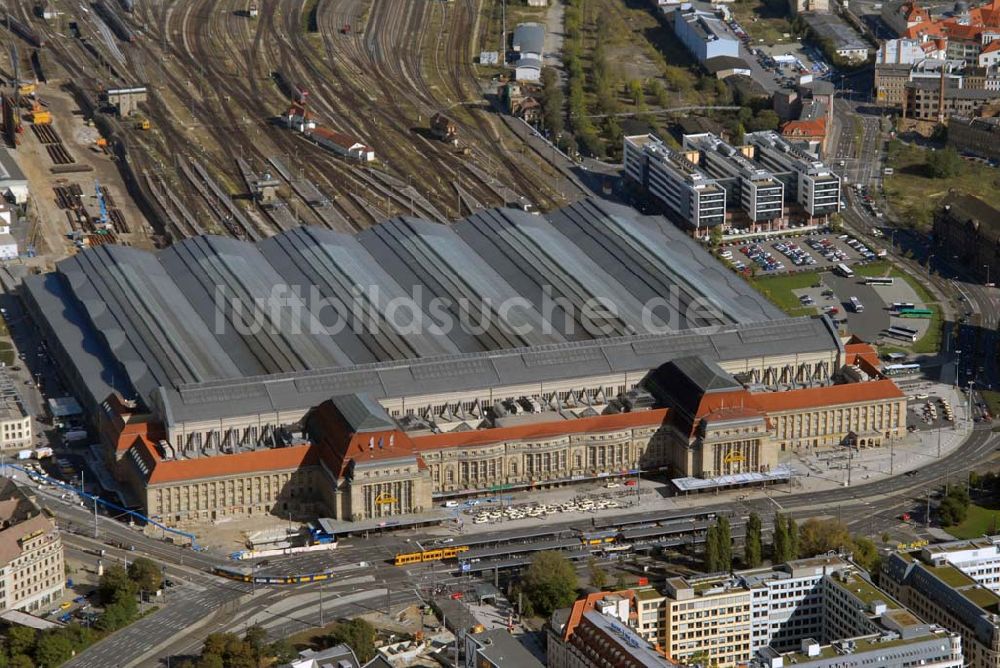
(987, 273)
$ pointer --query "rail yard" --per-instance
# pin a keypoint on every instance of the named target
(219, 80)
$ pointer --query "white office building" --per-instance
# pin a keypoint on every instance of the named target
(689, 195)
(757, 191)
(808, 181)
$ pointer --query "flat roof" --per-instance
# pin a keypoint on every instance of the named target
(779, 473)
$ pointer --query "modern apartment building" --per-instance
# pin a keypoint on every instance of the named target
(32, 571)
(808, 181)
(690, 196)
(759, 194)
(708, 617)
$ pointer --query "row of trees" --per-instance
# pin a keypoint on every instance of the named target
(789, 541)
(117, 592)
(228, 650)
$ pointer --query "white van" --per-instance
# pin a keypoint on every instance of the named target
(451, 504)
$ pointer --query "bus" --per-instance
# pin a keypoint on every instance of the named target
(916, 313)
(878, 280)
(901, 306)
(844, 270)
(856, 305)
(902, 336)
(900, 369)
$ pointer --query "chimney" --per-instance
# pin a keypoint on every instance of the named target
(941, 94)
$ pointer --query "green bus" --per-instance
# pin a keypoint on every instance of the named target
(916, 313)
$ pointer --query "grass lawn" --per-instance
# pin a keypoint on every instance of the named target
(779, 290)
(992, 399)
(914, 195)
(979, 521)
(765, 23)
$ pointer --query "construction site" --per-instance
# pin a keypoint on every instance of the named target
(151, 122)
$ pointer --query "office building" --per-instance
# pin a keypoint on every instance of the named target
(807, 611)
(931, 101)
(941, 593)
(691, 197)
(968, 229)
(32, 571)
(808, 181)
(756, 191)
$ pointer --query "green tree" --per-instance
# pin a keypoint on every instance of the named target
(598, 576)
(211, 661)
(753, 543)
(886, 536)
(282, 651)
(21, 661)
(21, 640)
(115, 585)
(715, 236)
(951, 511)
(794, 549)
(865, 553)
(216, 643)
(943, 164)
(658, 92)
(256, 638)
(53, 649)
(725, 539)
(766, 119)
(712, 557)
(357, 634)
(817, 536)
(145, 574)
(635, 93)
(552, 102)
(780, 542)
(550, 582)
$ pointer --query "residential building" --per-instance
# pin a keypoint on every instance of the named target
(32, 572)
(690, 196)
(990, 55)
(808, 181)
(497, 649)
(941, 593)
(704, 34)
(968, 229)
(707, 618)
(979, 136)
(890, 83)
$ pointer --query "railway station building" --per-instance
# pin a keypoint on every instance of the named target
(229, 378)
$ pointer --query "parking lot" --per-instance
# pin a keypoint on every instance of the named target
(807, 252)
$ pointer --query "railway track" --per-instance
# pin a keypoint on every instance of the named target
(213, 100)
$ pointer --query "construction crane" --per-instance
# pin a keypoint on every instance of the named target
(102, 207)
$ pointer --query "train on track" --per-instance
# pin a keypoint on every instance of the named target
(404, 558)
(128, 5)
(114, 21)
(248, 575)
(24, 32)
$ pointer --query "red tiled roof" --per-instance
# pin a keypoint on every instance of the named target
(587, 604)
(992, 46)
(812, 128)
(270, 459)
(596, 423)
(815, 397)
(338, 138)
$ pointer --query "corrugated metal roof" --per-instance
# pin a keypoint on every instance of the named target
(137, 321)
